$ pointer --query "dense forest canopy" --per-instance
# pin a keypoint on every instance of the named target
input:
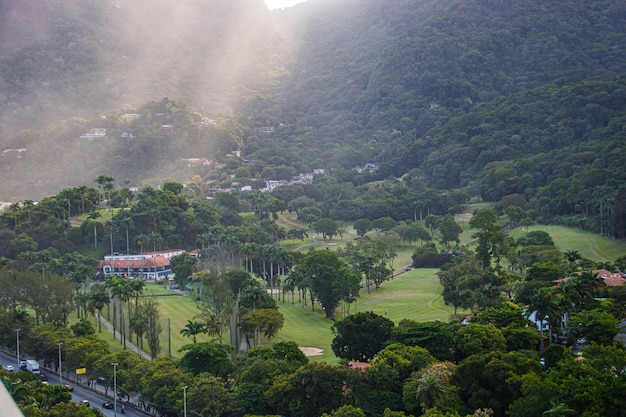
(497, 99)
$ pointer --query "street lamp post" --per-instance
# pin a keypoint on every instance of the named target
(17, 332)
(185, 400)
(114, 388)
(60, 366)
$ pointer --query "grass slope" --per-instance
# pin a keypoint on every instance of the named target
(415, 295)
(590, 245)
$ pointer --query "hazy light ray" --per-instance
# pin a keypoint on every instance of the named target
(281, 4)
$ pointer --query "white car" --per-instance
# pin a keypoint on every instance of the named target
(10, 368)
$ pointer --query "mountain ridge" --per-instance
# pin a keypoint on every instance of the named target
(444, 87)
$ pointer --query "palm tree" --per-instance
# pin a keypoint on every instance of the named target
(192, 329)
(214, 327)
(28, 205)
(136, 289)
(572, 256)
(545, 306)
(119, 292)
(98, 298)
(93, 216)
(139, 324)
(559, 410)
(429, 391)
(587, 284)
(79, 276)
(14, 208)
(104, 181)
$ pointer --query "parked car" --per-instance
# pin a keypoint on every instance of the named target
(85, 403)
(108, 405)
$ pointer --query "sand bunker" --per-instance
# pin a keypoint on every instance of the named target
(311, 351)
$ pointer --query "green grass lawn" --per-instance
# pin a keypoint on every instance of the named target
(176, 309)
(414, 295)
(590, 245)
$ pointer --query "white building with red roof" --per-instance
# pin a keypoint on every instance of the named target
(148, 266)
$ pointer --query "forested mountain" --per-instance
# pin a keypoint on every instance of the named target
(61, 59)
(499, 98)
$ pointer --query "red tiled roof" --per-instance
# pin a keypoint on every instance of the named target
(611, 279)
(358, 365)
(614, 281)
(148, 263)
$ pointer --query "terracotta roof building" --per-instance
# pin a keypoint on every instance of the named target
(611, 279)
(151, 268)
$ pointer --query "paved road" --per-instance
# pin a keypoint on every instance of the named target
(80, 393)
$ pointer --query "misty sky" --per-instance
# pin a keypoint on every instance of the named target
(281, 4)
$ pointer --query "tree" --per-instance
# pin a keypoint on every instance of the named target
(98, 298)
(312, 390)
(430, 389)
(207, 396)
(310, 215)
(462, 281)
(545, 307)
(327, 227)
(594, 325)
(214, 298)
(345, 411)
(489, 235)
(329, 278)
(491, 379)
(426, 392)
(435, 336)
(383, 380)
(342, 228)
(432, 222)
(192, 329)
(210, 357)
(297, 234)
(259, 368)
(362, 226)
(150, 309)
(479, 338)
(383, 224)
(265, 321)
(183, 266)
(157, 379)
(360, 336)
(449, 230)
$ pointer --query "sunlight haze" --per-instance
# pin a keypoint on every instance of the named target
(281, 4)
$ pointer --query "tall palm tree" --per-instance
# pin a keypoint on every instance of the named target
(545, 306)
(28, 205)
(14, 208)
(119, 292)
(98, 298)
(124, 297)
(139, 324)
(192, 329)
(93, 216)
(136, 289)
